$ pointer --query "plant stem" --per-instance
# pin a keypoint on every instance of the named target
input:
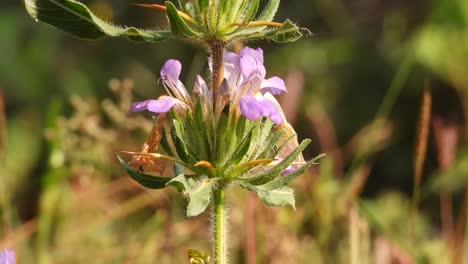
(219, 227)
(397, 84)
(217, 53)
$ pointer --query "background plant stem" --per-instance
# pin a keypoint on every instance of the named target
(219, 227)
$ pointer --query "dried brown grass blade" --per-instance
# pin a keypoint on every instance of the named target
(420, 150)
(143, 162)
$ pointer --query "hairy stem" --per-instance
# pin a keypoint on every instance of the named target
(217, 53)
(219, 227)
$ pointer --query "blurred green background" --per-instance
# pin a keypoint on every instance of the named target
(355, 87)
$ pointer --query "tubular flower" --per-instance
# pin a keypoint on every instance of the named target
(177, 94)
(247, 87)
(242, 138)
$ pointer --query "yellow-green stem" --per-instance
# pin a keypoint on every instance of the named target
(220, 227)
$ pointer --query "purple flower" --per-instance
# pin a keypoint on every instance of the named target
(170, 73)
(290, 169)
(200, 90)
(177, 94)
(171, 70)
(257, 54)
(255, 106)
(7, 256)
(251, 67)
(274, 85)
(161, 105)
(245, 79)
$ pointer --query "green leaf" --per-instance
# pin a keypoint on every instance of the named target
(234, 11)
(268, 13)
(190, 8)
(452, 180)
(264, 134)
(250, 11)
(196, 257)
(198, 191)
(278, 197)
(269, 146)
(225, 9)
(285, 179)
(203, 4)
(177, 134)
(276, 170)
(241, 149)
(165, 143)
(75, 18)
(199, 127)
(289, 32)
(256, 129)
(146, 180)
(178, 25)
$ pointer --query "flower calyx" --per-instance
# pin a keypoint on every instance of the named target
(226, 20)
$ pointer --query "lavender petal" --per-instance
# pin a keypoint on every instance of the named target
(271, 111)
(250, 107)
(256, 53)
(7, 256)
(289, 169)
(273, 85)
(161, 105)
(171, 70)
(140, 106)
(248, 66)
(254, 106)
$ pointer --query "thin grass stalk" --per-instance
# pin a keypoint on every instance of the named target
(460, 229)
(4, 198)
(353, 229)
(321, 123)
(420, 150)
(446, 138)
(396, 86)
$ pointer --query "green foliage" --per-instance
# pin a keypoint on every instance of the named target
(287, 32)
(277, 197)
(210, 20)
(274, 172)
(235, 148)
(198, 191)
(452, 180)
(146, 180)
(178, 26)
(196, 257)
(75, 18)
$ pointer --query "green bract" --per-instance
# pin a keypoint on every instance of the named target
(204, 20)
(241, 152)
